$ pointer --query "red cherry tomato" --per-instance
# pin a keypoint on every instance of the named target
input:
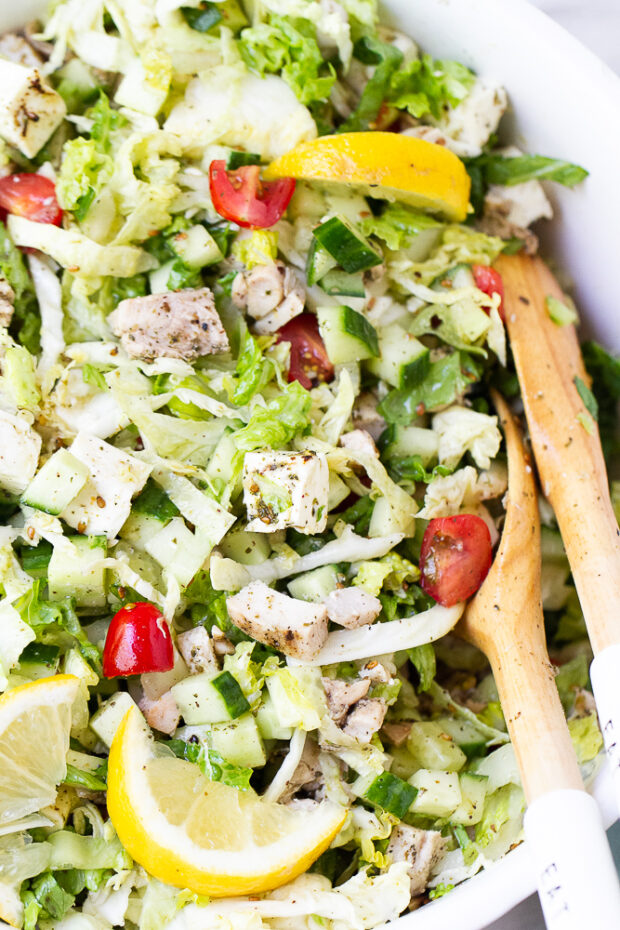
(489, 281)
(31, 196)
(138, 641)
(309, 359)
(455, 558)
(241, 196)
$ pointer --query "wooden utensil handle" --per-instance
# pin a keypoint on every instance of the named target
(534, 714)
(566, 442)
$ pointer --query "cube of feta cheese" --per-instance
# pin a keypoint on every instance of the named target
(283, 489)
(469, 125)
(296, 628)
(103, 504)
(30, 110)
(20, 446)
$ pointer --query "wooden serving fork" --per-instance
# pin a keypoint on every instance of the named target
(572, 471)
(577, 880)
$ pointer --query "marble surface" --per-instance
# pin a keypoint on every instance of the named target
(596, 23)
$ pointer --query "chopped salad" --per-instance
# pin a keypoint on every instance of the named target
(250, 471)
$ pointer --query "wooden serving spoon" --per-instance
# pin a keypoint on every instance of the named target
(572, 470)
(577, 880)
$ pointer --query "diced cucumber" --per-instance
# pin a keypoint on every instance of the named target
(230, 691)
(239, 742)
(391, 793)
(339, 283)
(196, 247)
(35, 559)
(347, 245)
(403, 763)
(314, 586)
(154, 502)
(473, 794)
(404, 441)
(241, 160)
(500, 767)
(468, 320)
(56, 483)
(139, 528)
(179, 550)
(385, 519)
(269, 723)
(439, 793)
(199, 701)
(75, 664)
(458, 276)
(433, 748)
(338, 491)
(158, 279)
(39, 660)
(318, 263)
(465, 734)
(244, 547)
(403, 360)
(348, 336)
(106, 721)
(79, 573)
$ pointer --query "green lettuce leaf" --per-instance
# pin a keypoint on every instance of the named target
(252, 371)
(398, 225)
(426, 86)
(571, 676)
(388, 59)
(448, 378)
(276, 424)
(26, 322)
(289, 48)
(423, 660)
(212, 764)
(586, 736)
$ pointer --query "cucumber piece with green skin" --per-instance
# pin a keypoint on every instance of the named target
(230, 691)
(318, 263)
(433, 747)
(439, 792)
(347, 245)
(35, 559)
(348, 336)
(56, 483)
(456, 277)
(139, 528)
(39, 660)
(154, 502)
(239, 742)
(241, 160)
(465, 734)
(403, 360)
(78, 573)
(199, 701)
(339, 283)
(244, 547)
(196, 247)
(105, 722)
(314, 586)
(473, 794)
(470, 322)
(268, 722)
(404, 441)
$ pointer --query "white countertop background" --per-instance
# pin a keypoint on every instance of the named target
(596, 23)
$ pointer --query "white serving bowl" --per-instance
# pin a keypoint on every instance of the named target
(565, 103)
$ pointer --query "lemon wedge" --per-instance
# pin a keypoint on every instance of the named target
(35, 723)
(193, 833)
(385, 165)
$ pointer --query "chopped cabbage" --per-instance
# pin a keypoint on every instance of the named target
(462, 430)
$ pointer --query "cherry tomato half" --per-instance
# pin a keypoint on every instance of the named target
(455, 558)
(241, 196)
(309, 360)
(138, 641)
(489, 281)
(31, 196)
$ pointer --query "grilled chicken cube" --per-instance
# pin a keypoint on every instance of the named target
(175, 324)
(296, 628)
